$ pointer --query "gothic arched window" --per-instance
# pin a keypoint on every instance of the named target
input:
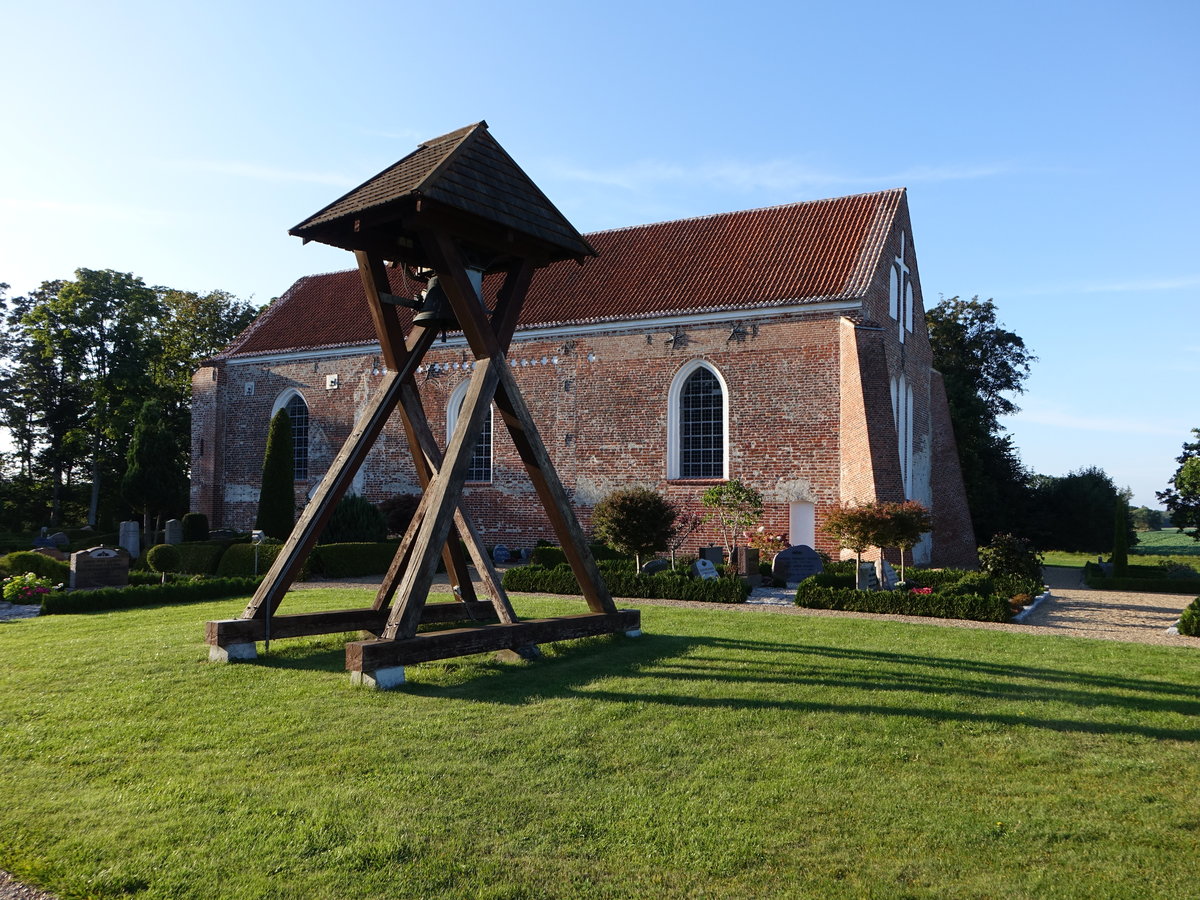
(297, 411)
(697, 423)
(480, 468)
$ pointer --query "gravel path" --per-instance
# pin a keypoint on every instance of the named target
(1071, 610)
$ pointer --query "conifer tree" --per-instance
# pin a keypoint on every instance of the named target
(276, 498)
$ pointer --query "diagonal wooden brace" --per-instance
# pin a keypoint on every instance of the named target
(487, 344)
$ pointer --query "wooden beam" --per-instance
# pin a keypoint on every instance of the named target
(538, 464)
(223, 632)
(427, 457)
(441, 500)
(367, 656)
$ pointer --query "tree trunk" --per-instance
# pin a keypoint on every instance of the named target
(94, 505)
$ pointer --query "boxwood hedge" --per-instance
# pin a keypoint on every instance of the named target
(146, 595)
(622, 581)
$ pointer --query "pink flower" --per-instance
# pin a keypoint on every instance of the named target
(924, 590)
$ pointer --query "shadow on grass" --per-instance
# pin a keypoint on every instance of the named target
(730, 673)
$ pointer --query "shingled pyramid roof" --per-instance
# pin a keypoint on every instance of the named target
(468, 178)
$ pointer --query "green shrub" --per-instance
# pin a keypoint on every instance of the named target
(355, 520)
(1189, 619)
(1008, 554)
(399, 511)
(238, 560)
(935, 578)
(351, 560)
(548, 557)
(164, 558)
(840, 567)
(822, 581)
(1146, 579)
(276, 498)
(201, 558)
(623, 581)
(195, 527)
(942, 605)
(25, 561)
(636, 521)
(146, 595)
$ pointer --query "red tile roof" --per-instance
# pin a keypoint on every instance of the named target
(777, 256)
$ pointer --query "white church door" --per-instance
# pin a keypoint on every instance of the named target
(802, 524)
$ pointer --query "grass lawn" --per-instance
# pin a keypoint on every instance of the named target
(722, 754)
(1169, 544)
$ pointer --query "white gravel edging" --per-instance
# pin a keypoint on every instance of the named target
(1027, 611)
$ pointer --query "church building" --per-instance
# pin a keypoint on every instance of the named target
(783, 347)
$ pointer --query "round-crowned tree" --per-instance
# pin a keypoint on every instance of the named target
(634, 521)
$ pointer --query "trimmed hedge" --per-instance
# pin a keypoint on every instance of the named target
(238, 560)
(201, 557)
(941, 605)
(1189, 619)
(548, 556)
(100, 599)
(1094, 577)
(622, 581)
(39, 564)
(349, 560)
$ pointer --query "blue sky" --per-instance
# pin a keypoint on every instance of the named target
(1049, 149)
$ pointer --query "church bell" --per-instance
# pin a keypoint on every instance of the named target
(435, 309)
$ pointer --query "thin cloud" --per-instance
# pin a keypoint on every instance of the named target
(773, 175)
(106, 212)
(1134, 286)
(263, 173)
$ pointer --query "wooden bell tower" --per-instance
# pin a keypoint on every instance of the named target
(455, 210)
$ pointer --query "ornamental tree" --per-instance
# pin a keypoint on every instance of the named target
(735, 508)
(907, 521)
(857, 527)
(634, 521)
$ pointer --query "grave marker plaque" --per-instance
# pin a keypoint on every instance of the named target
(887, 575)
(655, 566)
(867, 579)
(702, 568)
(795, 564)
(99, 567)
(173, 532)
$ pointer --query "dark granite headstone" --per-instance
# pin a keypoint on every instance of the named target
(715, 555)
(100, 567)
(60, 539)
(747, 560)
(654, 566)
(795, 564)
(702, 568)
(499, 554)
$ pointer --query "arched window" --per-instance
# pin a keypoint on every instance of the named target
(297, 411)
(697, 423)
(480, 468)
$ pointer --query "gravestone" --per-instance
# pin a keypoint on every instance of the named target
(747, 560)
(128, 536)
(43, 539)
(173, 532)
(99, 567)
(654, 566)
(499, 554)
(886, 575)
(703, 568)
(715, 555)
(53, 553)
(795, 564)
(60, 540)
(867, 580)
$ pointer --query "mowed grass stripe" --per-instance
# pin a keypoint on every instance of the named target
(721, 754)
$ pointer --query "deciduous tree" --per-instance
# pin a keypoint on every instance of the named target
(634, 521)
(1182, 496)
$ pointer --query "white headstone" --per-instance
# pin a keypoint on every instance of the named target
(173, 532)
(702, 568)
(867, 580)
(128, 537)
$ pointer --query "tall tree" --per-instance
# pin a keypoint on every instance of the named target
(983, 364)
(276, 497)
(153, 482)
(1182, 495)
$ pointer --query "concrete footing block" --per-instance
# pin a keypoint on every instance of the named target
(380, 679)
(528, 653)
(232, 653)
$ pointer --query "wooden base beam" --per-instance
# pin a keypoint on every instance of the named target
(225, 632)
(369, 656)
